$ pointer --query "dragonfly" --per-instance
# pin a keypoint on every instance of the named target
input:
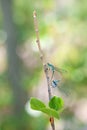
(53, 68)
(55, 83)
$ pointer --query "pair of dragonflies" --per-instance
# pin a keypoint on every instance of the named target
(53, 69)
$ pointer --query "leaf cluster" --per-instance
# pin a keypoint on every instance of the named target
(55, 106)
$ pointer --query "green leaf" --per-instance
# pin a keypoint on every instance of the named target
(36, 104)
(50, 112)
(56, 103)
(40, 106)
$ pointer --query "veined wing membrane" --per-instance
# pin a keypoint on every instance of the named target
(60, 70)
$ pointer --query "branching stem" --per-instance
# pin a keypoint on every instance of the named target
(46, 70)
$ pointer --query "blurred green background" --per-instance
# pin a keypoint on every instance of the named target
(63, 35)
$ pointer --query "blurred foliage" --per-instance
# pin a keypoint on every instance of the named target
(23, 18)
(23, 122)
(64, 26)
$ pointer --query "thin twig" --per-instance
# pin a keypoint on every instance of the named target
(46, 70)
(37, 35)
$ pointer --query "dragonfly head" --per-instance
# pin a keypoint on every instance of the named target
(55, 83)
(57, 80)
(48, 64)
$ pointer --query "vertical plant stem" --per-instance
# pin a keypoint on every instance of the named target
(44, 63)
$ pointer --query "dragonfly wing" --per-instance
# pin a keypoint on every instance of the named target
(60, 70)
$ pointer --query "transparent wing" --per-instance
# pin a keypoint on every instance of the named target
(60, 70)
